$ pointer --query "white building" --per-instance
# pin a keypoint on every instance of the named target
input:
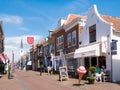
(99, 43)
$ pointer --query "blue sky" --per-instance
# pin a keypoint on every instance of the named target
(23, 18)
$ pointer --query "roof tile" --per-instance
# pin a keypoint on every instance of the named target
(114, 20)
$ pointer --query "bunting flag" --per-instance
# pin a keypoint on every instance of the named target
(53, 62)
(46, 61)
(63, 58)
(3, 57)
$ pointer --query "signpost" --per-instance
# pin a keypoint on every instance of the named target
(63, 73)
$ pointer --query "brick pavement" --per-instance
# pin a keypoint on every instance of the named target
(14, 84)
(72, 82)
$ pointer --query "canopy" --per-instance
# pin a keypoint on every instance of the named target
(89, 50)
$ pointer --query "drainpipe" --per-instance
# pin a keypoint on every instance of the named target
(109, 40)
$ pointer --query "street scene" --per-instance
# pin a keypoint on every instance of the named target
(59, 45)
(32, 80)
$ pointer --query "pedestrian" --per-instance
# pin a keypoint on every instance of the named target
(41, 67)
(9, 72)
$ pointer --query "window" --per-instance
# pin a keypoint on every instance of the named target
(92, 33)
(51, 48)
(73, 38)
(69, 40)
(114, 47)
(60, 42)
(46, 50)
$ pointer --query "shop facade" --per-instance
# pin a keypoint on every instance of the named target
(99, 43)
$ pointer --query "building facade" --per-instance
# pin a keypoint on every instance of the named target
(66, 37)
(1, 38)
(100, 43)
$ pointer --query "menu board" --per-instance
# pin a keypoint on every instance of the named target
(63, 73)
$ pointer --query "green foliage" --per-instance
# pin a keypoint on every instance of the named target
(91, 78)
(92, 69)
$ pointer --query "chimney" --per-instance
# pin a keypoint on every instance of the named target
(61, 22)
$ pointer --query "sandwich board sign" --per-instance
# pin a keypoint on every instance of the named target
(63, 73)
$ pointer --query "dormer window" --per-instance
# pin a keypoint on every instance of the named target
(92, 33)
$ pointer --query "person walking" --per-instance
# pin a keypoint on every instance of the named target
(9, 72)
(41, 67)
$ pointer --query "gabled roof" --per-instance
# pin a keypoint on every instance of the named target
(114, 20)
(71, 17)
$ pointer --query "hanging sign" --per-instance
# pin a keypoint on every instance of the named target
(30, 40)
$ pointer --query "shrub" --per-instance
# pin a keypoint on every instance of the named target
(91, 79)
(92, 69)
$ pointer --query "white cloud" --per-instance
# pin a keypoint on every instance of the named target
(11, 19)
(9, 47)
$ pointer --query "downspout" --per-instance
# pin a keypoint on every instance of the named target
(110, 39)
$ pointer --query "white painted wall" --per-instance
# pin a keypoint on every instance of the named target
(103, 29)
(116, 59)
(94, 18)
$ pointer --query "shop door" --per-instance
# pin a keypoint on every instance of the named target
(93, 61)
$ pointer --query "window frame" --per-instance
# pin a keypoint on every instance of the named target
(60, 43)
(92, 33)
(74, 38)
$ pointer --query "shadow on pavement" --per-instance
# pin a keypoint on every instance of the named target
(78, 84)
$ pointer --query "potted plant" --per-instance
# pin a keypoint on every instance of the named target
(92, 69)
(91, 78)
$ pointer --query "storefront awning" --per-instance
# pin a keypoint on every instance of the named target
(86, 51)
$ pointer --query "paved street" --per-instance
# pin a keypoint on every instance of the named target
(31, 80)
